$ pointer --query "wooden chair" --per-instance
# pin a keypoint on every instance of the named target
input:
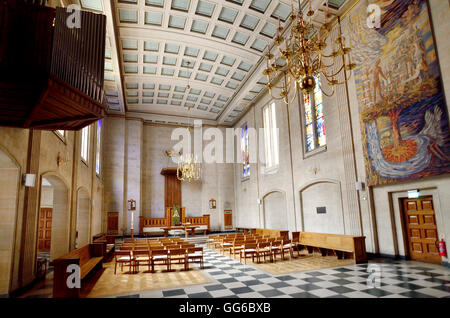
(178, 256)
(195, 255)
(226, 244)
(263, 249)
(187, 245)
(172, 246)
(237, 247)
(159, 257)
(128, 240)
(126, 247)
(275, 249)
(249, 249)
(123, 257)
(142, 257)
(211, 239)
(286, 245)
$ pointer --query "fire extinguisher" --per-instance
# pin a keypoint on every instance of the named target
(442, 248)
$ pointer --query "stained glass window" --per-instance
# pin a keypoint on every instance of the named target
(97, 150)
(245, 152)
(270, 136)
(315, 136)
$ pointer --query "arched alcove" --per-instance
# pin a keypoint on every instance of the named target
(274, 209)
(324, 193)
(60, 216)
(83, 218)
(9, 192)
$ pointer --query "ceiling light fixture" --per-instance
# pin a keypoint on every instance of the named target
(303, 52)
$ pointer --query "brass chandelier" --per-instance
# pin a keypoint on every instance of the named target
(189, 168)
(303, 52)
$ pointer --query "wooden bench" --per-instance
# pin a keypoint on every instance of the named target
(108, 240)
(272, 233)
(88, 257)
(339, 245)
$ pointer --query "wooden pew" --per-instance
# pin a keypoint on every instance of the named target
(272, 233)
(108, 240)
(339, 245)
(88, 257)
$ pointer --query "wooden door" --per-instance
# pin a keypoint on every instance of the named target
(421, 229)
(172, 188)
(228, 219)
(113, 223)
(45, 229)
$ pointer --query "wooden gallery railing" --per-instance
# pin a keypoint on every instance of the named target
(51, 66)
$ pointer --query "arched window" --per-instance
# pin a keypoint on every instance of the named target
(314, 123)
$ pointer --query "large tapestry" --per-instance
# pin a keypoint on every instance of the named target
(403, 114)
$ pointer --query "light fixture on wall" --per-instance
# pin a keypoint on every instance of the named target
(60, 159)
(29, 180)
(303, 53)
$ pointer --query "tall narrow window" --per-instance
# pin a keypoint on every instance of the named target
(315, 136)
(97, 150)
(270, 136)
(245, 152)
(84, 143)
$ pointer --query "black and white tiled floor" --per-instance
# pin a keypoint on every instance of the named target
(397, 279)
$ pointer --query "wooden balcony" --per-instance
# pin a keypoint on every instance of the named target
(51, 76)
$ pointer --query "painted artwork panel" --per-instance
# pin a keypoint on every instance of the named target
(403, 114)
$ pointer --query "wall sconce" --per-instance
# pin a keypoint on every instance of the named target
(60, 159)
(212, 204)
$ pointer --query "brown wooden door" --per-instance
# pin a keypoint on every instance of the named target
(45, 229)
(113, 223)
(172, 191)
(421, 229)
(228, 219)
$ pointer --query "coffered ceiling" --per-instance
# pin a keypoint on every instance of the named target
(156, 48)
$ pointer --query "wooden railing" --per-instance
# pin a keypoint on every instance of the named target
(197, 220)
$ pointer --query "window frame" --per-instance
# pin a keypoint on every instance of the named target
(309, 153)
(85, 160)
(272, 135)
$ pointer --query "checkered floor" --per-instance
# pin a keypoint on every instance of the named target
(387, 278)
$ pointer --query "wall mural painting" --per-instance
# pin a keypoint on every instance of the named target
(403, 114)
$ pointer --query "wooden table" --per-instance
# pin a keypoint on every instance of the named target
(186, 228)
